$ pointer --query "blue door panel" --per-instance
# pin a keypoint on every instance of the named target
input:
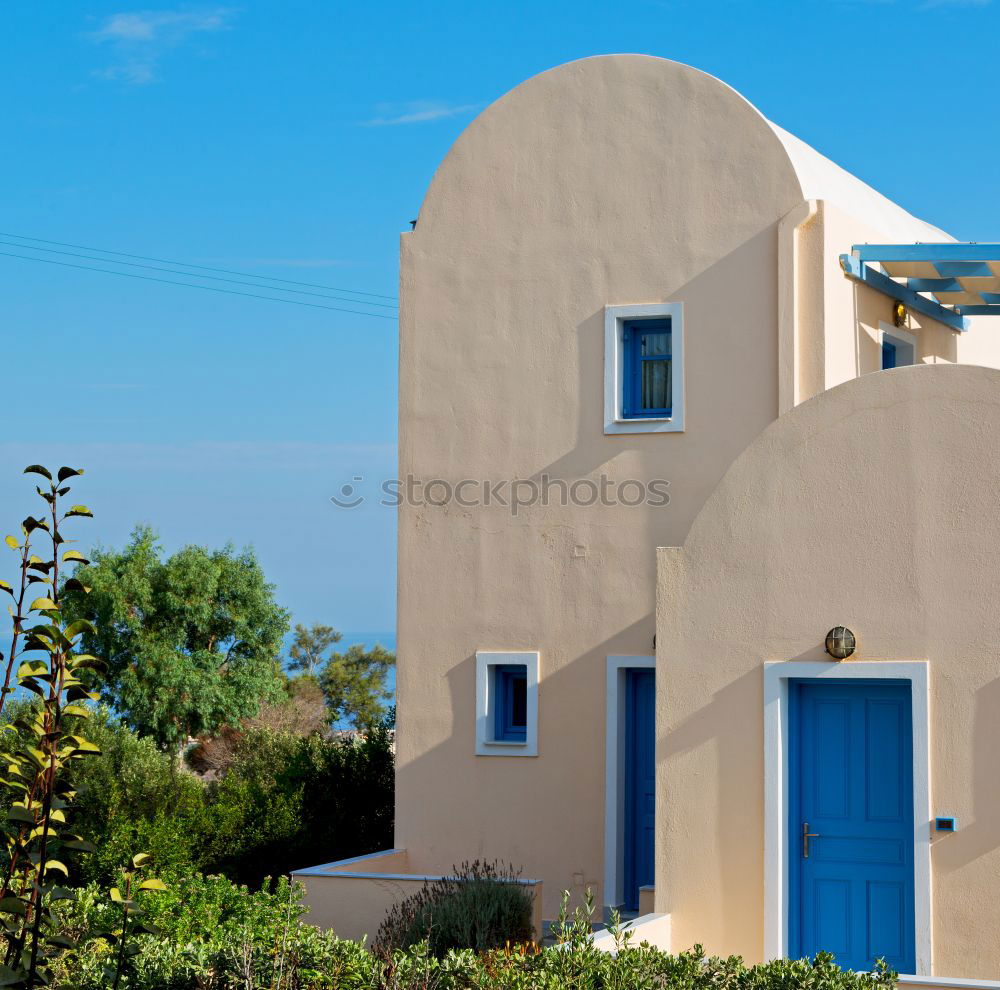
(851, 780)
(640, 782)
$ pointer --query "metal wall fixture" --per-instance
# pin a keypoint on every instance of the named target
(840, 642)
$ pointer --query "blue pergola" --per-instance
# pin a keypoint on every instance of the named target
(945, 281)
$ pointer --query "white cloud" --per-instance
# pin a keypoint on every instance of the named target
(417, 112)
(140, 38)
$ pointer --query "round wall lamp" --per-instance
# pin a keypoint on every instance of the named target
(840, 642)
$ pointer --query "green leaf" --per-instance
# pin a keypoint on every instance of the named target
(54, 864)
(80, 845)
(62, 941)
(71, 555)
(4, 586)
(116, 895)
(75, 584)
(13, 905)
(79, 626)
(79, 510)
(84, 746)
(77, 710)
(11, 542)
(140, 859)
(152, 884)
(67, 472)
(43, 604)
(38, 469)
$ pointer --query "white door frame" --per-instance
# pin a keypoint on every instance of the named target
(614, 774)
(776, 678)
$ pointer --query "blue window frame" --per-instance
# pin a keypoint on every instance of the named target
(648, 369)
(510, 685)
(888, 355)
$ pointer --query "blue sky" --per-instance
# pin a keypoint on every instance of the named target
(295, 141)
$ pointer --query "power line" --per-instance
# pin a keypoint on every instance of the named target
(214, 278)
(205, 268)
(193, 285)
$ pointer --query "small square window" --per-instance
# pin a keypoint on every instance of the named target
(647, 375)
(506, 704)
(644, 368)
(510, 684)
(899, 347)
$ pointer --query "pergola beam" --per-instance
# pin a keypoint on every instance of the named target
(927, 252)
(855, 268)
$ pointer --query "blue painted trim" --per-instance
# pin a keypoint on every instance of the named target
(927, 252)
(632, 366)
(935, 285)
(505, 679)
(978, 310)
(855, 269)
(888, 355)
(639, 760)
(796, 811)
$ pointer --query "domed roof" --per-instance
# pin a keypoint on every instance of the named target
(823, 179)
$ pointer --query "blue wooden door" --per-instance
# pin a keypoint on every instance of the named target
(640, 782)
(851, 824)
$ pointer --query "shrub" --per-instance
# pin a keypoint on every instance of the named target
(215, 935)
(285, 801)
(210, 933)
(481, 907)
(291, 801)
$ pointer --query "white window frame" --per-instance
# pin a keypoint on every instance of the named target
(899, 337)
(614, 365)
(776, 678)
(486, 744)
(614, 775)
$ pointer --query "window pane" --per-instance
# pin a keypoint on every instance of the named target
(656, 384)
(655, 344)
(519, 702)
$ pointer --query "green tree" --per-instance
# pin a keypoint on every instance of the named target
(308, 652)
(355, 684)
(191, 640)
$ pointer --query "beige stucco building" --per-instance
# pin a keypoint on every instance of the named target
(626, 325)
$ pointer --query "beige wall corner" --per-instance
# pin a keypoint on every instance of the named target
(797, 274)
(647, 899)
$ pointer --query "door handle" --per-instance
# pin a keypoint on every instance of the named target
(806, 836)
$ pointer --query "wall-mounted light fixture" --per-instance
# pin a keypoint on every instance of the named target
(840, 642)
(899, 314)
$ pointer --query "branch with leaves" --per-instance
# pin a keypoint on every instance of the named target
(37, 749)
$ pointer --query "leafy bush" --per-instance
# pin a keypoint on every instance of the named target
(291, 801)
(481, 907)
(285, 801)
(215, 935)
(210, 933)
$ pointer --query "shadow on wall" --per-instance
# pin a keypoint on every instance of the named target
(534, 812)
(716, 339)
(740, 761)
(978, 837)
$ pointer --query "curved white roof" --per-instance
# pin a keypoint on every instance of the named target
(823, 179)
